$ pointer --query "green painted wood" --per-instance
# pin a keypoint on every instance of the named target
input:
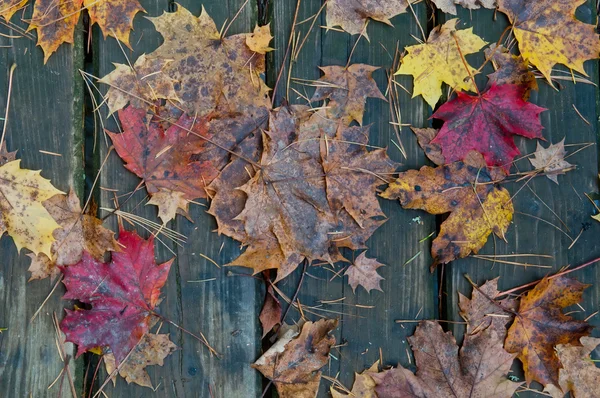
(46, 113)
(567, 200)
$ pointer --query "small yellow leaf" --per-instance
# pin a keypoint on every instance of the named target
(260, 39)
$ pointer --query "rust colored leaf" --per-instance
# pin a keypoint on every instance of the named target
(77, 233)
(123, 295)
(477, 207)
(364, 272)
(478, 371)
(347, 90)
(151, 350)
(541, 325)
(565, 40)
(510, 69)
(115, 17)
(551, 160)
(293, 363)
(487, 124)
(363, 387)
(270, 314)
(353, 15)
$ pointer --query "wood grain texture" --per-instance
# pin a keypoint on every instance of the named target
(46, 113)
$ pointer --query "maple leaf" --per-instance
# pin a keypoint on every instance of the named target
(478, 371)
(477, 208)
(439, 60)
(270, 314)
(9, 7)
(364, 272)
(363, 387)
(259, 40)
(551, 160)
(481, 313)
(449, 6)
(6, 156)
(78, 232)
(151, 350)
(115, 17)
(139, 86)
(123, 295)
(293, 363)
(432, 151)
(347, 90)
(22, 214)
(354, 15)
(486, 123)
(566, 40)
(540, 325)
(578, 374)
(510, 69)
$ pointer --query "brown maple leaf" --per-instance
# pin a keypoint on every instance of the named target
(551, 160)
(433, 151)
(510, 69)
(353, 15)
(78, 232)
(449, 6)
(467, 191)
(151, 350)
(115, 17)
(347, 90)
(363, 387)
(364, 272)
(293, 363)
(478, 371)
(270, 314)
(540, 325)
(579, 374)
(6, 156)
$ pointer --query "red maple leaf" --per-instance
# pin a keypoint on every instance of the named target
(172, 158)
(122, 294)
(486, 123)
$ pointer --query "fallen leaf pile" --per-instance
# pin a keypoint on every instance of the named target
(56, 20)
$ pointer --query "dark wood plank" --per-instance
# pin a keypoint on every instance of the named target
(567, 200)
(46, 113)
(409, 290)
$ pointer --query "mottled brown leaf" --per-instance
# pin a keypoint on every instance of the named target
(510, 69)
(270, 314)
(353, 15)
(364, 272)
(541, 325)
(115, 17)
(293, 363)
(449, 6)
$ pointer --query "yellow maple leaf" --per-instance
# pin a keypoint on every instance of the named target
(439, 61)
(115, 17)
(260, 39)
(9, 7)
(548, 33)
(22, 214)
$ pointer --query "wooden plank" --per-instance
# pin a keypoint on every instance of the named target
(46, 113)
(409, 291)
(567, 200)
(225, 309)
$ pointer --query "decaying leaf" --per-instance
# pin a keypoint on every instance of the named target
(6, 156)
(270, 314)
(439, 61)
(347, 90)
(510, 69)
(449, 6)
(477, 207)
(540, 325)
(9, 7)
(481, 313)
(293, 363)
(364, 272)
(77, 233)
(363, 387)
(115, 17)
(151, 350)
(578, 374)
(22, 214)
(260, 39)
(169, 203)
(353, 15)
(551, 160)
(565, 40)
(478, 371)
(486, 123)
(123, 295)
(432, 151)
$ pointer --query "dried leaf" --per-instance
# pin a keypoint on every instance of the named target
(439, 61)
(270, 314)
(565, 40)
(353, 15)
(293, 363)
(364, 272)
(510, 69)
(432, 151)
(541, 325)
(363, 387)
(123, 295)
(487, 124)
(6, 156)
(477, 207)
(169, 204)
(449, 6)
(151, 350)
(260, 39)
(9, 7)
(115, 17)
(347, 90)
(551, 160)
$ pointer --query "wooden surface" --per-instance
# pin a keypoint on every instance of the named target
(47, 113)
